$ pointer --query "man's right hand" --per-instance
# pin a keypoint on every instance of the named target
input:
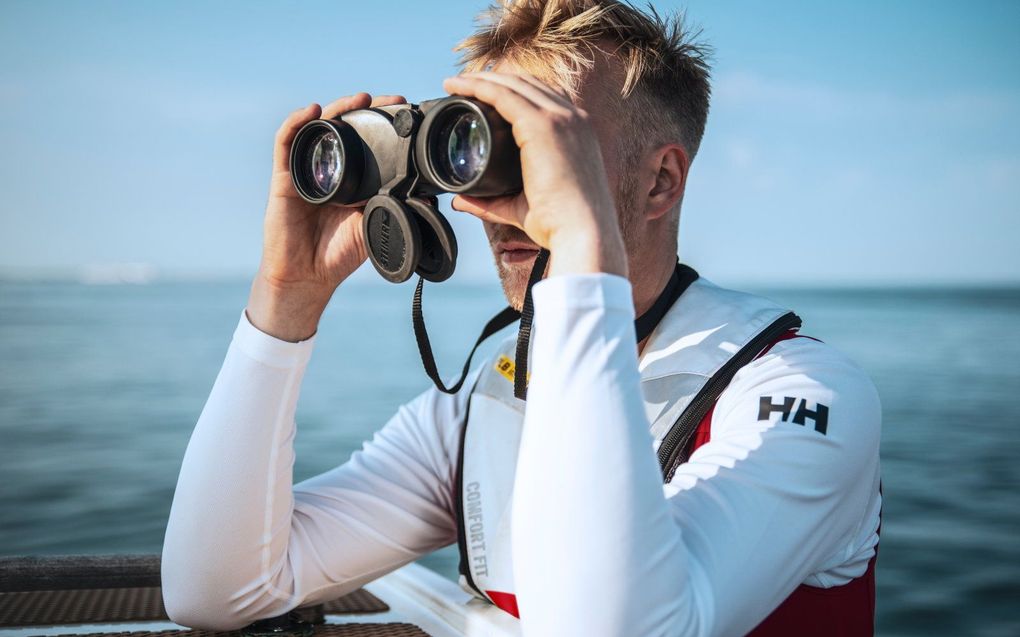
(307, 250)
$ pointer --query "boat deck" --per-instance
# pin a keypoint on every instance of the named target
(119, 596)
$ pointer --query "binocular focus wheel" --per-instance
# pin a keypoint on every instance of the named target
(392, 238)
(438, 257)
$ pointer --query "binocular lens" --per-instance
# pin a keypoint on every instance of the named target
(467, 147)
(325, 162)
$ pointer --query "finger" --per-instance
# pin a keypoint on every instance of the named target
(527, 81)
(388, 100)
(534, 90)
(555, 90)
(513, 106)
(503, 210)
(285, 134)
(344, 104)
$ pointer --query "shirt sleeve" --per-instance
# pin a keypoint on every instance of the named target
(243, 542)
(601, 548)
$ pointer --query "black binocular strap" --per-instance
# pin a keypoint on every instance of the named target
(681, 278)
(524, 334)
(507, 316)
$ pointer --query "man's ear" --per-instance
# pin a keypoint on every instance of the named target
(670, 165)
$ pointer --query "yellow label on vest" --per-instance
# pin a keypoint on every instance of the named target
(506, 367)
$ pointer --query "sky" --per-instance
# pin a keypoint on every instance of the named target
(864, 143)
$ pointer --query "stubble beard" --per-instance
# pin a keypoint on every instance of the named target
(514, 276)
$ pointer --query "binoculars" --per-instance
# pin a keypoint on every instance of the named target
(399, 158)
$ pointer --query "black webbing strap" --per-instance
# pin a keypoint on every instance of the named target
(524, 334)
(507, 316)
(681, 278)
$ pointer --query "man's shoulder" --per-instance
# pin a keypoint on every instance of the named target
(795, 378)
(810, 359)
(806, 386)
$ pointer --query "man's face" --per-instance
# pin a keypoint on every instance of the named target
(512, 249)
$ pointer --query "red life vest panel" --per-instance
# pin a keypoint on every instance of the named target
(840, 611)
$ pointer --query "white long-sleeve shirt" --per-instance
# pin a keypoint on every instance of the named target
(600, 547)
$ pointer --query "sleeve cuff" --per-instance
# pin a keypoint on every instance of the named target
(584, 291)
(270, 350)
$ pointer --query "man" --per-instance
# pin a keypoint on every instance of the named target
(769, 518)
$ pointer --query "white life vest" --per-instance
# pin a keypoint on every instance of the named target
(704, 338)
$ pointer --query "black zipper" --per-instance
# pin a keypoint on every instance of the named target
(673, 450)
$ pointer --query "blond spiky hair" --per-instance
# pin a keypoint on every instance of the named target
(665, 92)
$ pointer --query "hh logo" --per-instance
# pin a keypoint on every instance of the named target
(820, 414)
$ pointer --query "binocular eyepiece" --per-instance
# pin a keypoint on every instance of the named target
(399, 158)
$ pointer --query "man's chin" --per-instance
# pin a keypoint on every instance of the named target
(514, 277)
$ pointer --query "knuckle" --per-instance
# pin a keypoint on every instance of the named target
(289, 123)
(562, 121)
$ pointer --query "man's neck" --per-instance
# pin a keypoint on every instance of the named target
(647, 284)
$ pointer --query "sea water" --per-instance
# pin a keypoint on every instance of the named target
(100, 386)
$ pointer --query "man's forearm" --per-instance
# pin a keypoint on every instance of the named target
(243, 543)
(595, 549)
(230, 518)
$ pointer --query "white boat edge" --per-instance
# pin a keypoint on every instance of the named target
(414, 593)
(439, 606)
